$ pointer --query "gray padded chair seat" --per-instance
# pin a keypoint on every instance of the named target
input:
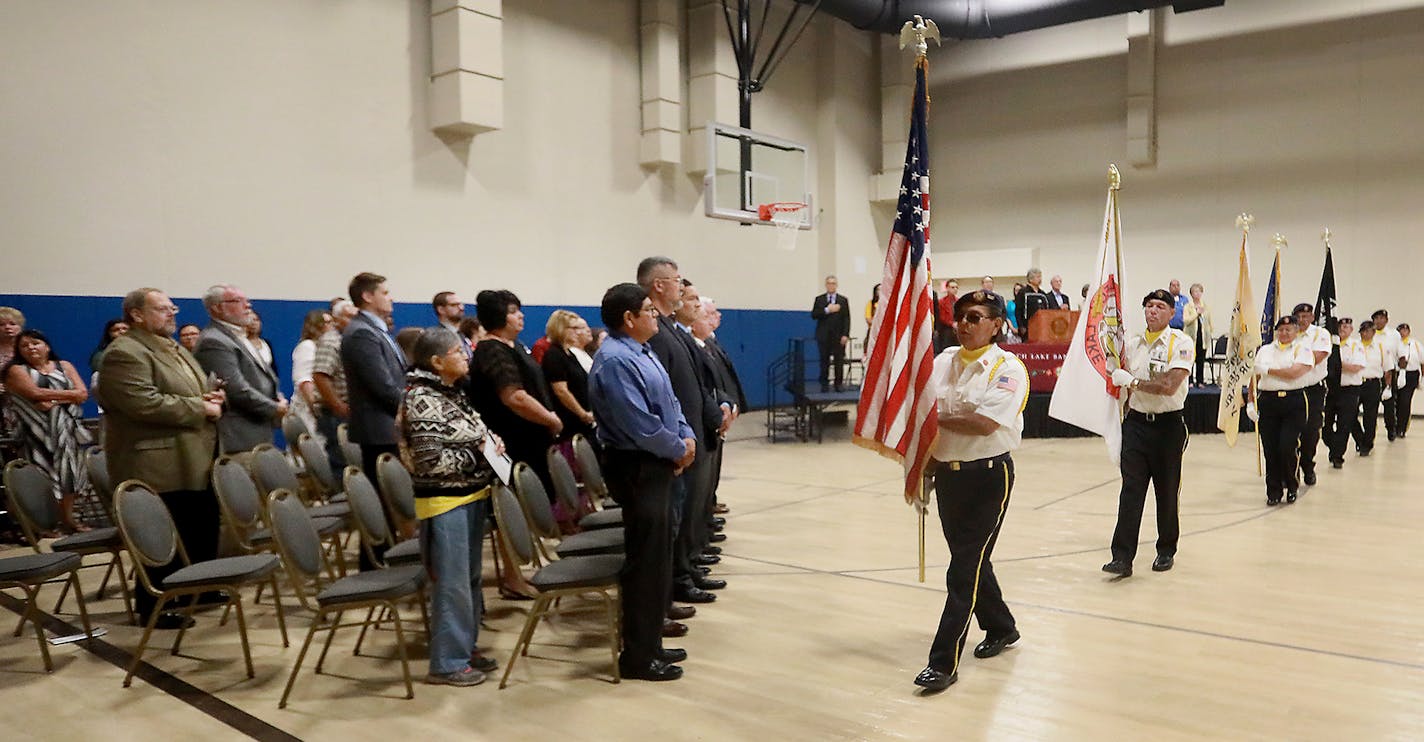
(606, 541)
(99, 538)
(332, 510)
(380, 584)
(405, 552)
(580, 572)
(232, 570)
(32, 568)
(602, 519)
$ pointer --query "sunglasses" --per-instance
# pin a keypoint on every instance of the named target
(973, 318)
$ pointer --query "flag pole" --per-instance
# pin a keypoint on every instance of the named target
(1256, 428)
(924, 505)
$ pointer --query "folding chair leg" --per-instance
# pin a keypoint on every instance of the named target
(400, 647)
(226, 610)
(24, 616)
(327, 646)
(258, 598)
(64, 592)
(236, 599)
(292, 679)
(362, 636)
(524, 635)
(187, 614)
(281, 618)
(124, 590)
(143, 643)
(104, 583)
(83, 611)
(32, 609)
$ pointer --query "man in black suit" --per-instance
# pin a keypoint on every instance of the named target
(1029, 300)
(254, 406)
(375, 374)
(1056, 298)
(831, 311)
(696, 395)
(729, 386)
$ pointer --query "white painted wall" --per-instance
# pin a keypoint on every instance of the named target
(282, 145)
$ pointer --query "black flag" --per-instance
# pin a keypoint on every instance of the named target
(1325, 301)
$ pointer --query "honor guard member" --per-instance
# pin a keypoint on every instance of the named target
(1389, 338)
(1342, 406)
(1154, 434)
(1372, 388)
(1317, 340)
(981, 389)
(1284, 367)
(1411, 353)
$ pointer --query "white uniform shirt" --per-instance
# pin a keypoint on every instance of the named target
(1376, 357)
(1412, 353)
(1352, 352)
(1173, 349)
(997, 382)
(1392, 343)
(1275, 356)
(1316, 338)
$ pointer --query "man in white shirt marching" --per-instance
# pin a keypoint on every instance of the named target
(1317, 340)
(1284, 367)
(1342, 407)
(1411, 353)
(1372, 387)
(1389, 338)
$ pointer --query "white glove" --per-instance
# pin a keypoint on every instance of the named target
(1399, 379)
(1388, 393)
(1122, 377)
(1252, 412)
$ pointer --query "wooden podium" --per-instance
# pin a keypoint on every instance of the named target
(1052, 326)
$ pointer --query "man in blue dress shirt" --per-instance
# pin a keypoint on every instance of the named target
(1179, 302)
(646, 442)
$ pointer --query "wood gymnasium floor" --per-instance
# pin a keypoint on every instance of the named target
(1299, 622)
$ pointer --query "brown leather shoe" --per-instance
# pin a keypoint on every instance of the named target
(681, 612)
(673, 629)
(720, 509)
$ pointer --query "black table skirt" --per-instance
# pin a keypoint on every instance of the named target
(1200, 414)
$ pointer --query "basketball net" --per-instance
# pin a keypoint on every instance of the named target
(787, 217)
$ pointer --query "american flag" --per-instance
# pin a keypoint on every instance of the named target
(896, 415)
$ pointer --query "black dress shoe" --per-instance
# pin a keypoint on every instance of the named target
(703, 570)
(1290, 497)
(1365, 451)
(717, 537)
(1337, 465)
(672, 655)
(1272, 501)
(673, 629)
(712, 550)
(707, 583)
(705, 559)
(992, 646)
(692, 595)
(1308, 478)
(935, 681)
(1162, 563)
(655, 670)
(681, 612)
(719, 521)
(1118, 567)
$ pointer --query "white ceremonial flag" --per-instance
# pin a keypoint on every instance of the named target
(1243, 338)
(1084, 394)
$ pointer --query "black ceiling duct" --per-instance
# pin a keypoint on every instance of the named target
(985, 19)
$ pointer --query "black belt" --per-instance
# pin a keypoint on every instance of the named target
(1280, 392)
(1153, 417)
(975, 464)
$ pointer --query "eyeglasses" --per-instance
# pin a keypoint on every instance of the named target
(169, 309)
(236, 301)
(973, 318)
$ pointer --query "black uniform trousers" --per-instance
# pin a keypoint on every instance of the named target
(198, 519)
(1390, 408)
(1404, 401)
(642, 483)
(689, 522)
(1342, 410)
(1283, 422)
(1152, 447)
(832, 353)
(1314, 421)
(1364, 427)
(972, 500)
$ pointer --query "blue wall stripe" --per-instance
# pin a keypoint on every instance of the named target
(753, 337)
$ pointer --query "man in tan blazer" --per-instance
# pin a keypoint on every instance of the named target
(160, 426)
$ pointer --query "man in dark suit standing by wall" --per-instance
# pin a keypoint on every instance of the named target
(254, 406)
(375, 373)
(831, 311)
(1029, 300)
(1056, 298)
(160, 426)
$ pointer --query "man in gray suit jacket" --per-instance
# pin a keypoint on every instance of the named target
(254, 406)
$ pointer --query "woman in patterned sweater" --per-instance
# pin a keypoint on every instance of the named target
(441, 437)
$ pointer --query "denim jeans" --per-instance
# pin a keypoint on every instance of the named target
(455, 541)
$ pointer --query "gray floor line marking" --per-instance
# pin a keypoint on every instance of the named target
(192, 695)
(1079, 492)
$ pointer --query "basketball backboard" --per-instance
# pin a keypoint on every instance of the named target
(746, 169)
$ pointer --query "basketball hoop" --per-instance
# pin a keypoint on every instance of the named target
(788, 217)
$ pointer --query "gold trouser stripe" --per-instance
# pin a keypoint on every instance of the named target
(978, 569)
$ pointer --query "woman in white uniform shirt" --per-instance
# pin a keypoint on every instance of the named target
(1342, 406)
(1377, 354)
(982, 390)
(1281, 405)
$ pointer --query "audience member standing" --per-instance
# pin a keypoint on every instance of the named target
(1056, 298)
(160, 427)
(188, 337)
(566, 365)
(12, 323)
(329, 378)
(48, 396)
(304, 395)
(1410, 355)
(1028, 299)
(831, 311)
(450, 313)
(694, 539)
(254, 406)
(375, 374)
(1196, 322)
(1179, 304)
(259, 343)
(646, 442)
(112, 329)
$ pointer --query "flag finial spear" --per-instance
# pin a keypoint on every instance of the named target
(1244, 221)
(917, 32)
(1278, 240)
(1114, 178)
(1325, 237)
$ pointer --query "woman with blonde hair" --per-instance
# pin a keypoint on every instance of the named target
(1196, 322)
(566, 365)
